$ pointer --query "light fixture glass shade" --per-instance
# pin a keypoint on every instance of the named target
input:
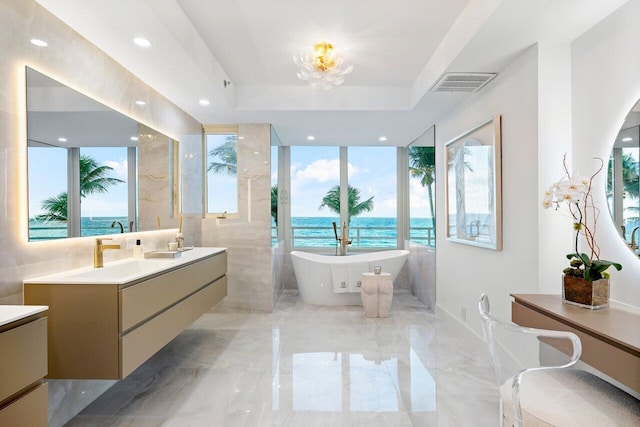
(321, 66)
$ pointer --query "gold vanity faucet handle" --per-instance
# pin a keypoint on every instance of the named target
(98, 251)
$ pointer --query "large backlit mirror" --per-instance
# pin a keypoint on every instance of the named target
(92, 170)
(623, 187)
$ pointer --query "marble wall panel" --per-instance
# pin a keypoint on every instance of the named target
(70, 59)
(155, 198)
(277, 266)
(191, 173)
(247, 235)
(421, 267)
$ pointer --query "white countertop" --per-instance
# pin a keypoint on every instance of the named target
(11, 313)
(124, 271)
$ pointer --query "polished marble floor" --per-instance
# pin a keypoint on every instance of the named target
(306, 365)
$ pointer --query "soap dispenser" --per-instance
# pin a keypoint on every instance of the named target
(138, 251)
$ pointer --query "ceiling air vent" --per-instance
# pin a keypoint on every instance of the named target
(462, 82)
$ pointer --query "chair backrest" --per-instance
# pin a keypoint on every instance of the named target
(515, 350)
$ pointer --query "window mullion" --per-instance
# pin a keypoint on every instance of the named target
(344, 185)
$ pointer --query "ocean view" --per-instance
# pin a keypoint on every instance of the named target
(307, 231)
(89, 226)
(365, 232)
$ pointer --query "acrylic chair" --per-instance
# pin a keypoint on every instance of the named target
(556, 394)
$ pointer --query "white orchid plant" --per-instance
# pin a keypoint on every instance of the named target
(575, 193)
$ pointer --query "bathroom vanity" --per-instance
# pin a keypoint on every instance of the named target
(23, 364)
(105, 322)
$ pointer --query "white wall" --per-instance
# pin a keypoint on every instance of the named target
(601, 70)
(606, 84)
(464, 272)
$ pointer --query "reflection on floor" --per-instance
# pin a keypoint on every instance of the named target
(306, 365)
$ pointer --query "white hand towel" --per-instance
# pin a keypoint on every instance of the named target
(355, 275)
(339, 277)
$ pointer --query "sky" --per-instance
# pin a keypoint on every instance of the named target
(372, 170)
(314, 170)
(48, 177)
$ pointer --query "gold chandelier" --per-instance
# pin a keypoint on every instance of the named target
(321, 66)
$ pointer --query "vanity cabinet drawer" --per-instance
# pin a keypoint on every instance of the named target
(144, 341)
(143, 300)
(30, 410)
(209, 296)
(24, 357)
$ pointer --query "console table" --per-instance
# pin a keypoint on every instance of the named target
(610, 337)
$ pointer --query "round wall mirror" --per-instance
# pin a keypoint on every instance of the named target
(623, 186)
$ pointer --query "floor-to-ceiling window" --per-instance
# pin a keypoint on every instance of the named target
(422, 170)
(103, 190)
(275, 146)
(343, 189)
(314, 195)
(47, 172)
(100, 193)
(373, 201)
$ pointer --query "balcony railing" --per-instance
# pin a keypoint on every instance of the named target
(362, 237)
(52, 232)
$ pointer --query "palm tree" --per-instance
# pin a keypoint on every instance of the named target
(630, 176)
(274, 203)
(55, 208)
(228, 155)
(93, 179)
(332, 201)
(422, 165)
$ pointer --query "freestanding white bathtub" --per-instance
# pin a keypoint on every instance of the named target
(334, 280)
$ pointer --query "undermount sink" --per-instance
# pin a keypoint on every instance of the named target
(125, 271)
(113, 271)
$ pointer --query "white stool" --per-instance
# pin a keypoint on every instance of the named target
(377, 294)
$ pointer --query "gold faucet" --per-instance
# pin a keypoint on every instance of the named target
(344, 240)
(98, 250)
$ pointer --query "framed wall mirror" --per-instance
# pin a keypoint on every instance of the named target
(92, 170)
(623, 186)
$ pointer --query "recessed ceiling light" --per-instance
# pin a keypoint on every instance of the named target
(39, 43)
(382, 139)
(62, 139)
(204, 102)
(134, 138)
(311, 138)
(256, 152)
(265, 162)
(141, 103)
(142, 42)
(627, 139)
(241, 137)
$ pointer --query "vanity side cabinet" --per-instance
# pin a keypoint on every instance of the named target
(23, 364)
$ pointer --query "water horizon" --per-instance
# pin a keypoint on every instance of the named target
(307, 231)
